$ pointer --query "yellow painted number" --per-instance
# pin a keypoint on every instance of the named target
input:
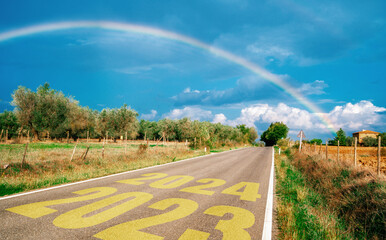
(235, 227)
(130, 230)
(147, 176)
(39, 209)
(74, 218)
(231, 229)
(212, 182)
(250, 192)
(191, 234)
(171, 182)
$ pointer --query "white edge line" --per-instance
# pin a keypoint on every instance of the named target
(267, 230)
(112, 175)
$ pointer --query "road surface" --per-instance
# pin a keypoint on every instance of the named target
(219, 196)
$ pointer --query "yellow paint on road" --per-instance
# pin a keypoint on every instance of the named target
(130, 230)
(74, 218)
(39, 209)
(171, 182)
(250, 192)
(212, 182)
(147, 176)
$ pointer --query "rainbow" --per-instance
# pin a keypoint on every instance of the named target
(127, 27)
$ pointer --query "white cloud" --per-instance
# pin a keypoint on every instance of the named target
(193, 113)
(219, 118)
(349, 117)
(315, 88)
(149, 116)
(362, 115)
(293, 117)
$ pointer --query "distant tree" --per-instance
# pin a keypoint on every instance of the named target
(147, 128)
(8, 121)
(166, 128)
(316, 140)
(369, 141)
(116, 123)
(184, 129)
(341, 136)
(275, 131)
(383, 139)
(252, 135)
(44, 111)
(349, 141)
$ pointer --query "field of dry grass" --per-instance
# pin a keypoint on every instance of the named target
(366, 156)
(321, 198)
(49, 163)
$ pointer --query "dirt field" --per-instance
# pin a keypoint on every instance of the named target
(366, 156)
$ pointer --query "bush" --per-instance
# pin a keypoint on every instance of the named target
(369, 142)
(142, 148)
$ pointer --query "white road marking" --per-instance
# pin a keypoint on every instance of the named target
(267, 230)
(113, 175)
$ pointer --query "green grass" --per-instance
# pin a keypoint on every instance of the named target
(302, 212)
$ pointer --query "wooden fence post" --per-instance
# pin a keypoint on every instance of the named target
(1, 135)
(327, 149)
(84, 155)
(73, 152)
(68, 136)
(355, 150)
(87, 135)
(320, 149)
(103, 148)
(338, 151)
(6, 136)
(125, 142)
(28, 139)
(25, 153)
(379, 156)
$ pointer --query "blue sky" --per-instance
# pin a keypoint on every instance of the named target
(332, 52)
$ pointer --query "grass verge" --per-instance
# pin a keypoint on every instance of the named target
(323, 199)
(49, 164)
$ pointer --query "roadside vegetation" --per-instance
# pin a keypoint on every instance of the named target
(49, 114)
(39, 140)
(49, 164)
(325, 199)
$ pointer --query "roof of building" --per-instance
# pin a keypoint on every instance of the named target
(367, 131)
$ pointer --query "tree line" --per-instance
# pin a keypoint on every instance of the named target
(49, 113)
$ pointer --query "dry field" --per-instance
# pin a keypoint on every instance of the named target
(366, 156)
(50, 163)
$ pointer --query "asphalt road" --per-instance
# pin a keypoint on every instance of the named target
(219, 196)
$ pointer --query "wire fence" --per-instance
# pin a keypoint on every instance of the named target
(371, 157)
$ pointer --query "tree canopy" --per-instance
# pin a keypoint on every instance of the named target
(275, 132)
(48, 112)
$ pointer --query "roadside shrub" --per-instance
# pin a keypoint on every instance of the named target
(369, 142)
(142, 148)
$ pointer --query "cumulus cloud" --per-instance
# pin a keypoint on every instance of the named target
(193, 113)
(357, 116)
(219, 118)
(350, 117)
(150, 115)
(293, 117)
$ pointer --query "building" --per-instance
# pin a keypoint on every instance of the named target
(365, 133)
